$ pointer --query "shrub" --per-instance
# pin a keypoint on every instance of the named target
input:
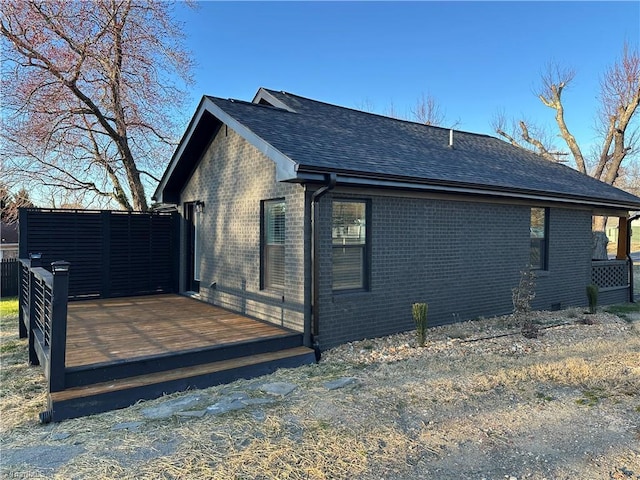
(592, 296)
(420, 317)
(524, 292)
(521, 297)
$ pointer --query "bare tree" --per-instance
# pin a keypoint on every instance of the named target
(89, 101)
(619, 99)
(10, 203)
(427, 110)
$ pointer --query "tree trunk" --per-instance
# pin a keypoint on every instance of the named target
(599, 244)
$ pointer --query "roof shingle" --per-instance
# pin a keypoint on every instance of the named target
(321, 137)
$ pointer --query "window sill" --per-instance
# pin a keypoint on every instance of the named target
(273, 293)
(349, 294)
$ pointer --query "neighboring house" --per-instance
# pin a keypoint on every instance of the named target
(333, 221)
(8, 240)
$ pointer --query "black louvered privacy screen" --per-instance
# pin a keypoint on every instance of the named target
(112, 253)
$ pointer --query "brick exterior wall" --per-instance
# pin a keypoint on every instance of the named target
(565, 283)
(232, 179)
(461, 258)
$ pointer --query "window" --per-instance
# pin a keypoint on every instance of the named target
(349, 234)
(273, 230)
(197, 240)
(539, 238)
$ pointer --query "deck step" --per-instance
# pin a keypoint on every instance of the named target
(101, 397)
(131, 367)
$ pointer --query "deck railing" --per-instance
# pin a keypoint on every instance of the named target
(43, 316)
(610, 274)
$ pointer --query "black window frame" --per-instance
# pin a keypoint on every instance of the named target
(265, 276)
(538, 243)
(365, 247)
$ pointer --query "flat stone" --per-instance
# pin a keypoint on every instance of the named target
(219, 438)
(59, 436)
(278, 388)
(228, 404)
(170, 407)
(339, 383)
(292, 427)
(192, 413)
(241, 444)
(42, 458)
(259, 415)
(143, 454)
(131, 426)
(258, 401)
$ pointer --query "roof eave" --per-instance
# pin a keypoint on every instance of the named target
(425, 185)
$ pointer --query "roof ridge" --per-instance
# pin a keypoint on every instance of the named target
(402, 120)
(245, 102)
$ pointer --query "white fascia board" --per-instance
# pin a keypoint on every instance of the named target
(271, 100)
(285, 166)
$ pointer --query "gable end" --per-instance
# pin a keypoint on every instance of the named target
(204, 126)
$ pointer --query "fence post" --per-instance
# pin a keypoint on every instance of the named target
(22, 327)
(35, 261)
(58, 343)
(105, 254)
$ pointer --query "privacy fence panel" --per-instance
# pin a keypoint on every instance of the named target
(112, 253)
(9, 278)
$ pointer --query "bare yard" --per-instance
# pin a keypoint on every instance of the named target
(479, 401)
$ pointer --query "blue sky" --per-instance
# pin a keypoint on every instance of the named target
(475, 58)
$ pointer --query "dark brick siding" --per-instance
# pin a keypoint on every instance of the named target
(569, 271)
(461, 258)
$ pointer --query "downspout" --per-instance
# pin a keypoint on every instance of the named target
(311, 331)
(629, 220)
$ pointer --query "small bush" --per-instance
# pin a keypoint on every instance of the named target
(592, 296)
(524, 292)
(420, 317)
(522, 295)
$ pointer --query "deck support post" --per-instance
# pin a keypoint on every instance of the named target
(35, 259)
(623, 239)
(58, 342)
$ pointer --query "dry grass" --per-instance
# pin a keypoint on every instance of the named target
(458, 408)
(22, 389)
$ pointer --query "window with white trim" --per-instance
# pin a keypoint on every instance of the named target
(350, 245)
(197, 240)
(273, 237)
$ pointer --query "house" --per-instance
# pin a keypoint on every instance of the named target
(332, 221)
(9, 240)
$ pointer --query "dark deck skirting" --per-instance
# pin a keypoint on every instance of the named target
(123, 350)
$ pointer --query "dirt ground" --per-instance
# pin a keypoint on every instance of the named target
(478, 401)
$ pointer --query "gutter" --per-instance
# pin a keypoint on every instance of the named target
(629, 220)
(356, 179)
(312, 330)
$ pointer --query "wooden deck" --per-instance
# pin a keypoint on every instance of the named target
(120, 329)
(122, 350)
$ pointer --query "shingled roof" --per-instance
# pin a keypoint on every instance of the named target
(308, 140)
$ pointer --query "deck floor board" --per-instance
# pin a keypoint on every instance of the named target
(117, 329)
